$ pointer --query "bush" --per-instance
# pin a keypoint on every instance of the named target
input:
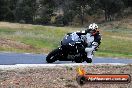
(59, 21)
(44, 20)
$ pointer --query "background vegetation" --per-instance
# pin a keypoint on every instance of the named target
(63, 12)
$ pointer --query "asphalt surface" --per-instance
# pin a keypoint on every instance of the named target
(15, 58)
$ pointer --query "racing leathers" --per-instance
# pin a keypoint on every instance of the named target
(92, 42)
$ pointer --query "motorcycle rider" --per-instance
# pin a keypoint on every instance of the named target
(91, 38)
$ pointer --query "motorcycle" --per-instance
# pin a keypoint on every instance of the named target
(69, 50)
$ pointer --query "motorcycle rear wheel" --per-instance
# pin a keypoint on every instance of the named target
(89, 60)
(78, 60)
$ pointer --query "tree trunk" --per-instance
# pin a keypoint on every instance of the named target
(82, 15)
(106, 14)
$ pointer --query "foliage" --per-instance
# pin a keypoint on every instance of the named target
(42, 11)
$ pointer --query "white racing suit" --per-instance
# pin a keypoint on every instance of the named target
(92, 42)
(91, 45)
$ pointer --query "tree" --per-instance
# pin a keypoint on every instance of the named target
(45, 11)
(3, 9)
(82, 7)
(67, 13)
(26, 10)
(6, 10)
(127, 3)
(110, 7)
(11, 6)
(42, 11)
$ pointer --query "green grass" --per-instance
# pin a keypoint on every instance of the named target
(116, 41)
(114, 55)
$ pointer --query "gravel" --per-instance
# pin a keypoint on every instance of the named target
(57, 75)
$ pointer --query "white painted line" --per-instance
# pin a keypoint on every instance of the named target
(22, 66)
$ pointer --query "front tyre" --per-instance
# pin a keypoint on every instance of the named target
(52, 56)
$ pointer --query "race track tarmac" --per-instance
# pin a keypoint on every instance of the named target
(17, 58)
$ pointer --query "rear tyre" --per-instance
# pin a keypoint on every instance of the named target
(52, 56)
(78, 60)
(89, 60)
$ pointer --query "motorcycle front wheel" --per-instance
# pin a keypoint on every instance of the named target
(52, 56)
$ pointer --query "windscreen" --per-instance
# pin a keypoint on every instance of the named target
(70, 39)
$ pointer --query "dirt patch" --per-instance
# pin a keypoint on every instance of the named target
(59, 77)
(18, 45)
